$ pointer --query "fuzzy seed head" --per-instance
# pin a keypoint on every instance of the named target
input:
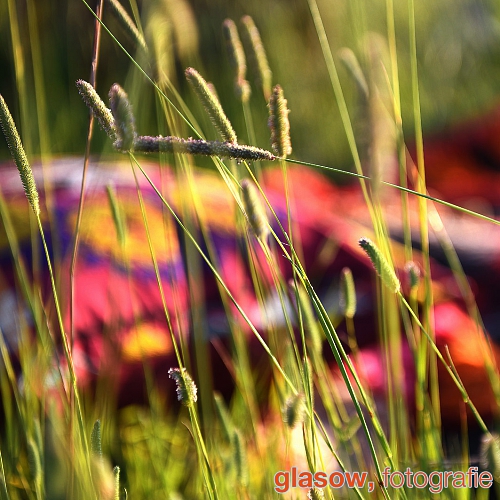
(97, 107)
(347, 293)
(172, 144)
(315, 494)
(257, 55)
(238, 61)
(294, 410)
(34, 462)
(96, 440)
(235, 48)
(212, 105)
(490, 454)
(240, 458)
(382, 267)
(278, 123)
(413, 272)
(127, 24)
(255, 210)
(19, 155)
(116, 473)
(187, 392)
(124, 118)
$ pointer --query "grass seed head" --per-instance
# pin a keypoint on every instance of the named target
(294, 410)
(172, 144)
(383, 268)
(97, 107)
(212, 105)
(124, 118)
(240, 458)
(255, 210)
(347, 293)
(257, 55)
(187, 392)
(235, 48)
(413, 272)
(315, 494)
(127, 24)
(490, 454)
(96, 439)
(116, 473)
(279, 124)
(34, 462)
(237, 58)
(19, 155)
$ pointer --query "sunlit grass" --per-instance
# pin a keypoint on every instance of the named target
(211, 448)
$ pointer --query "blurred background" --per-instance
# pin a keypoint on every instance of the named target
(458, 45)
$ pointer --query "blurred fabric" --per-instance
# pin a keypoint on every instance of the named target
(120, 322)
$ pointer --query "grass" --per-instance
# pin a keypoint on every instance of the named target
(305, 400)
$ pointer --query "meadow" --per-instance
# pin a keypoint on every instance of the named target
(224, 273)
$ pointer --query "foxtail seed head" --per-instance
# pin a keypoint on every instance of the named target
(127, 24)
(384, 270)
(294, 410)
(255, 210)
(347, 293)
(116, 473)
(96, 439)
(234, 48)
(240, 458)
(34, 462)
(212, 105)
(172, 144)
(187, 392)
(315, 494)
(19, 155)
(278, 123)
(237, 57)
(124, 118)
(97, 107)
(413, 272)
(490, 454)
(257, 55)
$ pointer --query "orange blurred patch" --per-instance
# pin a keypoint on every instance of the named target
(145, 341)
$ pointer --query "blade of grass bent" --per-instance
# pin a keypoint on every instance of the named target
(401, 188)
